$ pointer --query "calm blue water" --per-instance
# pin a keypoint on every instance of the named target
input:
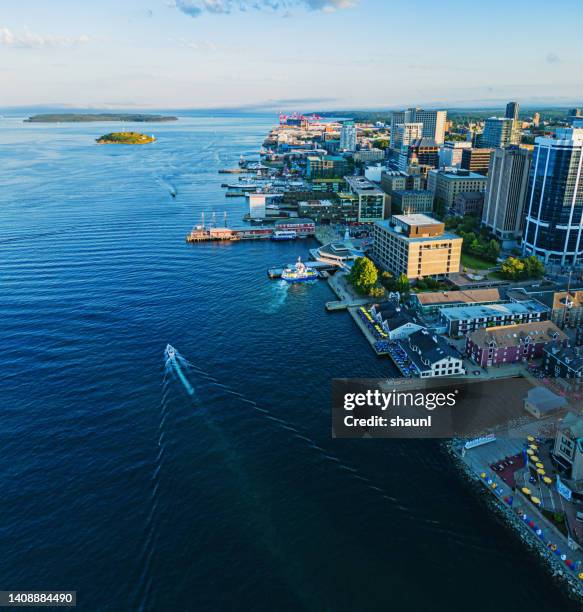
(116, 483)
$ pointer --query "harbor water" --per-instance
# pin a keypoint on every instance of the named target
(209, 481)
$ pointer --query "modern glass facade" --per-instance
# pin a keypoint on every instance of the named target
(554, 210)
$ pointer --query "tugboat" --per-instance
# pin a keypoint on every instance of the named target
(298, 273)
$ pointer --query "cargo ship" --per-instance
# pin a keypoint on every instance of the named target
(298, 273)
(284, 235)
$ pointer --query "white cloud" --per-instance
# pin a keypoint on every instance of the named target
(195, 8)
(28, 40)
(208, 45)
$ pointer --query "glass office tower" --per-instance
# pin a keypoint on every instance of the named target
(554, 208)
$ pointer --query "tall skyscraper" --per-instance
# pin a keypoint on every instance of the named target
(499, 132)
(506, 193)
(348, 136)
(554, 209)
(405, 134)
(433, 122)
(512, 110)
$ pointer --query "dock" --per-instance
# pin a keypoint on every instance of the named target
(225, 234)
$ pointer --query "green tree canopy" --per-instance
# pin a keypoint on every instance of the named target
(364, 275)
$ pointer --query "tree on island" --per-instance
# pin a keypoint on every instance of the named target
(364, 275)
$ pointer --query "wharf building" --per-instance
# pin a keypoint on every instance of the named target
(417, 246)
(554, 209)
(447, 184)
(512, 343)
(565, 364)
(433, 123)
(371, 201)
(431, 355)
(397, 323)
(429, 303)
(461, 320)
(506, 193)
(476, 160)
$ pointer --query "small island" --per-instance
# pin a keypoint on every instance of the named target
(125, 138)
(81, 117)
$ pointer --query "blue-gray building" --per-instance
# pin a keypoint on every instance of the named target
(554, 207)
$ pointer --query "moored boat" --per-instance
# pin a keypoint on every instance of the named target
(298, 273)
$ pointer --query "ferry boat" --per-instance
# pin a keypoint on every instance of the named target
(298, 273)
(284, 235)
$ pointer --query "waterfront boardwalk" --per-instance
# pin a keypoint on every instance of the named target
(533, 522)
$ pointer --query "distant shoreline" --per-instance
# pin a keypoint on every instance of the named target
(96, 117)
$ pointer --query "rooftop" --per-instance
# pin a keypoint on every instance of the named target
(455, 174)
(545, 400)
(416, 219)
(512, 335)
(361, 185)
(469, 296)
(492, 310)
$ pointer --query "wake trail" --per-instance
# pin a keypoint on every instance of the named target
(288, 426)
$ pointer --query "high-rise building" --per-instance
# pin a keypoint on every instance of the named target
(536, 119)
(512, 110)
(405, 133)
(371, 199)
(450, 154)
(348, 136)
(500, 132)
(554, 209)
(420, 152)
(416, 245)
(433, 123)
(506, 193)
(476, 160)
(447, 184)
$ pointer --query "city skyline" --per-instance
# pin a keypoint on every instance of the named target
(285, 54)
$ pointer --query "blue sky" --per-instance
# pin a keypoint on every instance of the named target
(290, 54)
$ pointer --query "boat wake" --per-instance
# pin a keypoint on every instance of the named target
(278, 293)
(180, 365)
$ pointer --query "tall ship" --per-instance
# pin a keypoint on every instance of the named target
(284, 235)
(298, 273)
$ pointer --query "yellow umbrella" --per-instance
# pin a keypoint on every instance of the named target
(494, 485)
(483, 475)
(534, 458)
(530, 438)
(581, 575)
(547, 480)
(540, 465)
(530, 452)
(534, 447)
(535, 500)
(541, 472)
(526, 490)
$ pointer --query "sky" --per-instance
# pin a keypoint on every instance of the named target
(289, 54)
